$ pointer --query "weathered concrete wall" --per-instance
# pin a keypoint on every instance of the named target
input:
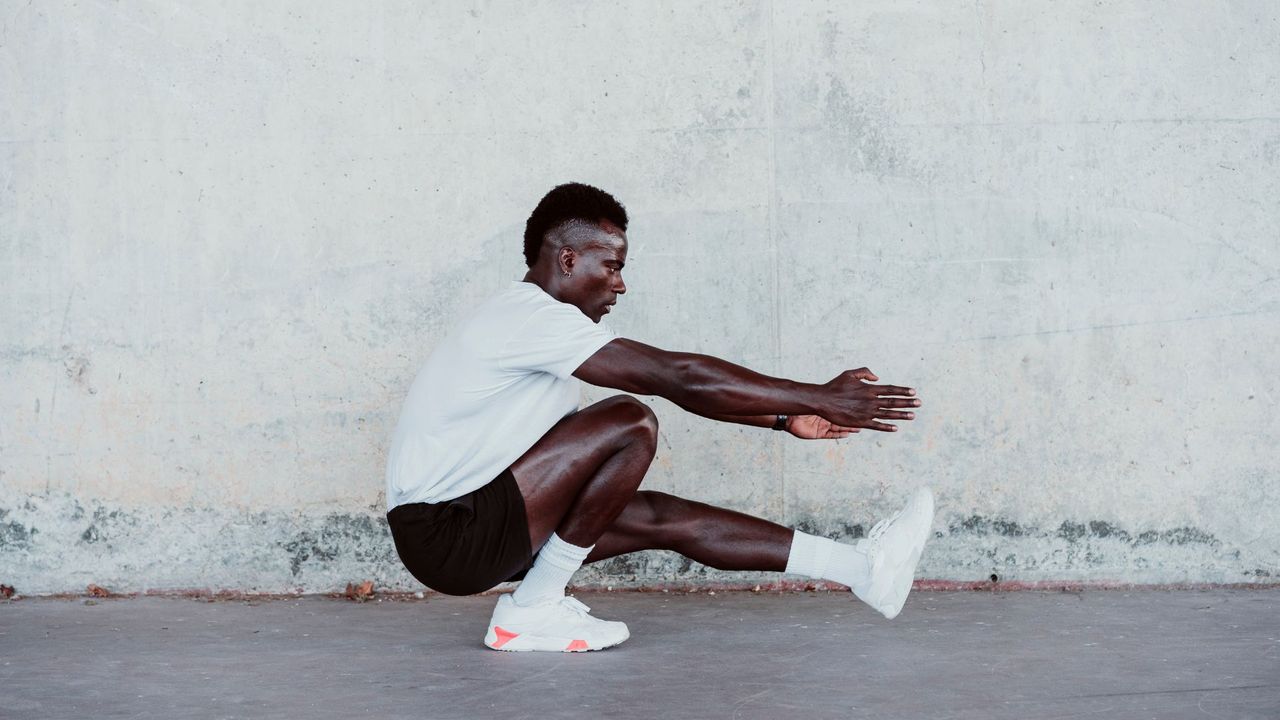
(230, 234)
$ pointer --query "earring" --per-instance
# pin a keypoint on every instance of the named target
(568, 274)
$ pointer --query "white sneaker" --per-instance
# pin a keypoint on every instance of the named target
(893, 549)
(556, 625)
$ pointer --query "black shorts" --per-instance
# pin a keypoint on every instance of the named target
(465, 545)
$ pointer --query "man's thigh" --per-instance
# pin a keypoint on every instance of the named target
(552, 473)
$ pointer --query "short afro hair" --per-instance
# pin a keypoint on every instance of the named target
(571, 201)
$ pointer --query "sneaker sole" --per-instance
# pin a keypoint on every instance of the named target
(499, 639)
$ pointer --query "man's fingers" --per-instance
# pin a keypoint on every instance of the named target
(883, 390)
(899, 402)
(895, 415)
(882, 427)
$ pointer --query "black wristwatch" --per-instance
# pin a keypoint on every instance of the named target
(780, 423)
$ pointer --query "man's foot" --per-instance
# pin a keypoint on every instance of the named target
(558, 625)
(893, 549)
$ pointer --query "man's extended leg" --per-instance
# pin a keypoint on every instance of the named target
(878, 569)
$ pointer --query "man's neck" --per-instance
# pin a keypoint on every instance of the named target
(537, 278)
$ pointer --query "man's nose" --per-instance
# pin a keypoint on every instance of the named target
(620, 287)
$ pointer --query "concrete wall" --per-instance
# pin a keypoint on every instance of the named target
(230, 234)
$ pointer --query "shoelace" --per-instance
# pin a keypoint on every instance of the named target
(879, 528)
(574, 605)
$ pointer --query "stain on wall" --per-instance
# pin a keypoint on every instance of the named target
(14, 535)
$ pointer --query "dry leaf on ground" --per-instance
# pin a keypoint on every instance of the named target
(95, 591)
(361, 592)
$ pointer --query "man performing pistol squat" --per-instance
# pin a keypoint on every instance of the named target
(494, 473)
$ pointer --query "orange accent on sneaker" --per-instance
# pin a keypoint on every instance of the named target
(503, 636)
(577, 645)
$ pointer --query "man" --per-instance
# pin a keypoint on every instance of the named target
(495, 474)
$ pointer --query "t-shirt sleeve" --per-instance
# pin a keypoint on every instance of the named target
(555, 339)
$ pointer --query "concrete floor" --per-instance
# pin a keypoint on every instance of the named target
(1116, 654)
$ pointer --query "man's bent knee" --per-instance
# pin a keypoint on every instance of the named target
(632, 416)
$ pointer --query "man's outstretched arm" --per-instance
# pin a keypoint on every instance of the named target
(713, 387)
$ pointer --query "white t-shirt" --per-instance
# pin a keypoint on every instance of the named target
(487, 393)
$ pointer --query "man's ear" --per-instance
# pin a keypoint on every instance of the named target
(567, 259)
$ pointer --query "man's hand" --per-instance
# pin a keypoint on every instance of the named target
(858, 404)
(812, 427)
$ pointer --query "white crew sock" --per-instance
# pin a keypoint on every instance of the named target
(557, 562)
(825, 559)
